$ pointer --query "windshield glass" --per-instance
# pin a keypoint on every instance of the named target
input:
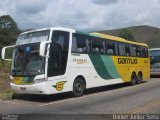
(26, 60)
(155, 53)
(33, 37)
(155, 59)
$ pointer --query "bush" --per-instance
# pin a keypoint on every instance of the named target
(5, 66)
(127, 34)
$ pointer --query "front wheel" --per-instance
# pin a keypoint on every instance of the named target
(78, 87)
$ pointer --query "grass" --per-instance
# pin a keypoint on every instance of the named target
(6, 95)
(5, 66)
(5, 90)
(4, 75)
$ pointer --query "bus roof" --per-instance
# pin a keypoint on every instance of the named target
(116, 38)
(96, 34)
(50, 28)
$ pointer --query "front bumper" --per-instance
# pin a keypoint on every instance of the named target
(39, 88)
(155, 73)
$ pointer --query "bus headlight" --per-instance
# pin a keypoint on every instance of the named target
(39, 80)
(11, 79)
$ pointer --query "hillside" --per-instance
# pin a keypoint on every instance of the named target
(146, 34)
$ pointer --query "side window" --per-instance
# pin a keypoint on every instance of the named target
(74, 44)
(138, 51)
(144, 52)
(104, 46)
(133, 51)
(58, 53)
(80, 43)
(110, 48)
(121, 49)
(127, 50)
(97, 46)
(88, 45)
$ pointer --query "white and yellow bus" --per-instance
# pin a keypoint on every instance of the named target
(56, 60)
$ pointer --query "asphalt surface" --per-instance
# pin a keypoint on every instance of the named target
(95, 104)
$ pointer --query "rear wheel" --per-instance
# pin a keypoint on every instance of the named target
(133, 79)
(78, 87)
(139, 78)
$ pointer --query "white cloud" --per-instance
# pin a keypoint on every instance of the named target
(30, 6)
(2, 12)
(104, 2)
(82, 15)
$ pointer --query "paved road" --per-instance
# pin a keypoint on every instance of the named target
(122, 98)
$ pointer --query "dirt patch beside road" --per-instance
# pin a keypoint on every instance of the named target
(5, 90)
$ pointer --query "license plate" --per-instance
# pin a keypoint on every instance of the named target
(23, 88)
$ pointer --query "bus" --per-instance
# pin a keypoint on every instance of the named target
(155, 61)
(55, 60)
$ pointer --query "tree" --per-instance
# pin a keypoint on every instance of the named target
(6, 22)
(8, 31)
(126, 34)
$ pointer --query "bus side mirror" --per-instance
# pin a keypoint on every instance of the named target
(9, 53)
(43, 48)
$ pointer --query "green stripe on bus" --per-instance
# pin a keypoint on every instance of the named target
(83, 33)
(28, 79)
(94, 35)
(104, 66)
(109, 65)
(100, 67)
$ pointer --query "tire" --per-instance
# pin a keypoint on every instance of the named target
(78, 87)
(139, 78)
(133, 79)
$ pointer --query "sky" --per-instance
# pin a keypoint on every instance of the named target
(87, 15)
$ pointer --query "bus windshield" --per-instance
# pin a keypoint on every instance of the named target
(155, 59)
(33, 37)
(26, 60)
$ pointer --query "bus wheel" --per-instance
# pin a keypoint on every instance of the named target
(133, 79)
(139, 78)
(78, 87)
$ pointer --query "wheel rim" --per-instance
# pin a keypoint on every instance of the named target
(133, 79)
(139, 77)
(78, 87)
